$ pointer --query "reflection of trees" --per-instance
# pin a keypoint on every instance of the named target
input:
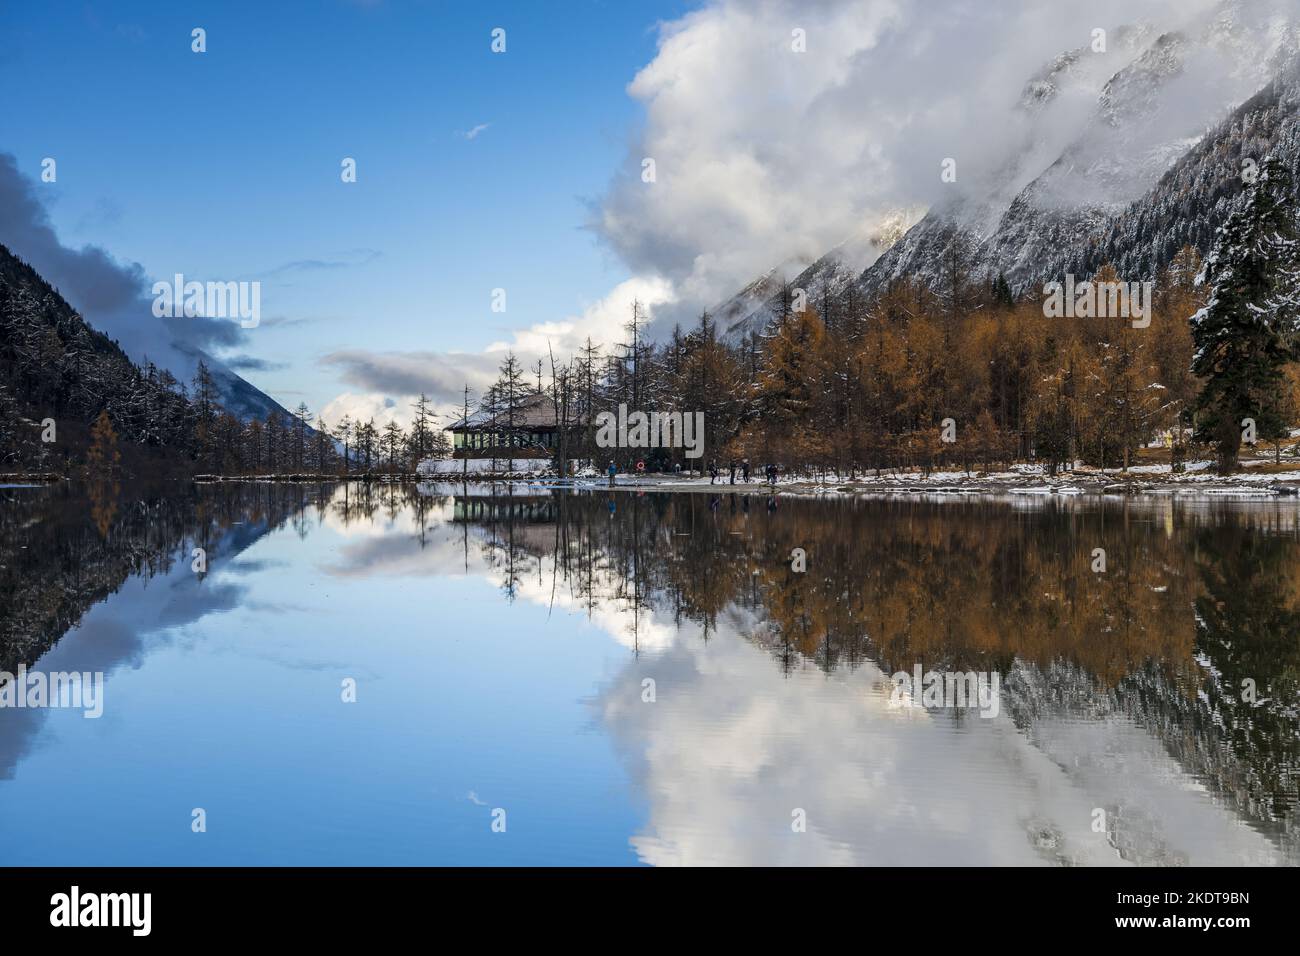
(1248, 628)
(103, 496)
(893, 581)
(64, 549)
(357, 502)
(1191, 603)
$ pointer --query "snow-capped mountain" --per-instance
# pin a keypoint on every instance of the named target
(1193, 198)
(239, 396)
(1112, 185)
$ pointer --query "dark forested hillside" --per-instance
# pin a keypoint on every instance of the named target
(72, 401)
(55, 368)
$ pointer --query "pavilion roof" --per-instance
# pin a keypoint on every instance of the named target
(535, 410)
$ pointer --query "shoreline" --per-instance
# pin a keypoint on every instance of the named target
(1023, 482)
(1073, 487)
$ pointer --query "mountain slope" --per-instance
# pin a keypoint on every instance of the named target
(54, 365)
(911, 241)
(1110, 176)
(1193, 198)
(1154, 166)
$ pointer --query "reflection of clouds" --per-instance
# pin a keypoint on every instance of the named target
(394, 553)
(647, 629)
(18, 728)
(186, 604)
(122, 629)
(379, 525)
(250, 566)
(732, 746)
(1159, 813)
(404, 555)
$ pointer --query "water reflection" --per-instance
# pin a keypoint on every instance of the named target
(1122, 691)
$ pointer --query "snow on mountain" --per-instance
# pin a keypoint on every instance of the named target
(1193, 197)
(1148, 115)
(1069, 187)
(241, 397)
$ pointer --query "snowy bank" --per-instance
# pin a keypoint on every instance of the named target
(483, 469)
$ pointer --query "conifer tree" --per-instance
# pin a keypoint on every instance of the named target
(393, 440)
(1244, 335)
(343, 434)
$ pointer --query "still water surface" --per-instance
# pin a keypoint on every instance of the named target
(506, 643)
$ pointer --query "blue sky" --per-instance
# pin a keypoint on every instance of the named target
(226, 164)
(769, 153)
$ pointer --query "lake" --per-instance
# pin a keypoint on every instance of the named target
(445, 674)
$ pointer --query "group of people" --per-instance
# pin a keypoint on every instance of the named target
(744, 470)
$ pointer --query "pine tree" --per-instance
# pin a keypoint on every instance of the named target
(1245, 333)
(421, 438)
(465, 436)
(366, 437)
(255, 446)
(393, 442)
(323, 445)
(301, 423)
(343, 434)
(205, 414)
(276, 454)
(786, 390)
(586, 371)
(510, 392)
(9, 430)
(1001, 292)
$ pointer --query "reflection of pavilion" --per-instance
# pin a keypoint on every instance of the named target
(527, 509)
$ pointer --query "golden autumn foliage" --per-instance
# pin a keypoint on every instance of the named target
(859, 388)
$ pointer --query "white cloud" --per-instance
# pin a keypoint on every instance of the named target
(768, 158)
(369, 405)
(765, 156)
(399, 376)
(602, 321)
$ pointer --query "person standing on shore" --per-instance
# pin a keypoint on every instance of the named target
(744, 470)
(771, 475)
(713, 472)
(733, 471)
(613, 470)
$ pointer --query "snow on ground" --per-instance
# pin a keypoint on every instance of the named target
(1199, 477)
(1165, 468)
(432, 467)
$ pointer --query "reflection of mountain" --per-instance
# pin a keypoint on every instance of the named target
(62, 551)
(1124, 682)
(1121, 691)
